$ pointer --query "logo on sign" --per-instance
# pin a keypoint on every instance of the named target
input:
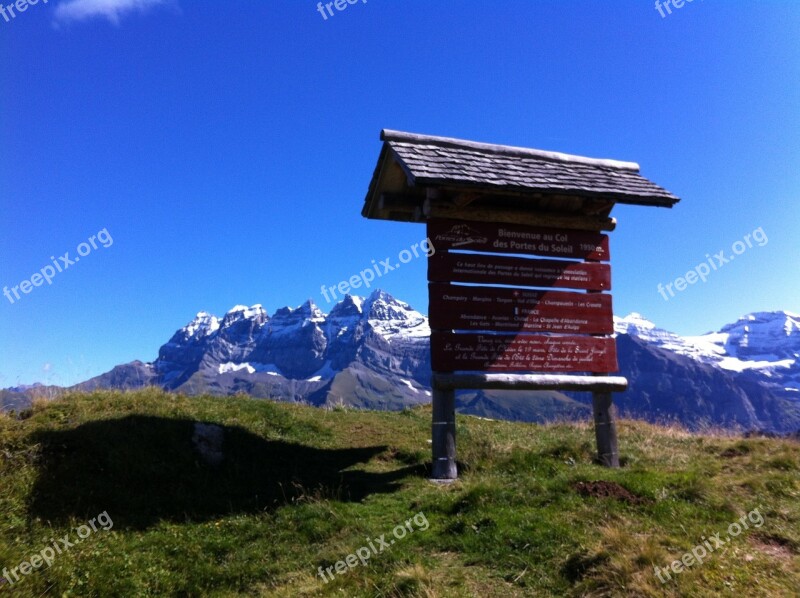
(460, 235)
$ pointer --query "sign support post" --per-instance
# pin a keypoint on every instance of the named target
(605, 429)
(443, 435)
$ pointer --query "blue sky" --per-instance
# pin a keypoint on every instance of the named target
(226, 148)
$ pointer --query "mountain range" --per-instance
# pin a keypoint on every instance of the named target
(374, 353)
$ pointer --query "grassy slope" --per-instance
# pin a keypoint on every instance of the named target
(302, 488)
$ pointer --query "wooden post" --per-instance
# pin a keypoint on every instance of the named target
(443, 435)
(605, 428)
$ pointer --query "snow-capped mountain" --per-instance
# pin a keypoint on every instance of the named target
(374, 352)
(370, 352)
(764, 345)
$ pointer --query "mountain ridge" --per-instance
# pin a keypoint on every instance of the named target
(373, 352)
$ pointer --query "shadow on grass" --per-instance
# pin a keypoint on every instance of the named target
(143, 469)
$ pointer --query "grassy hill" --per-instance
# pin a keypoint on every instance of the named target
(300, 489)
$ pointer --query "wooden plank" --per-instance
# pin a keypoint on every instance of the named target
(489, 381)
(473, 213)
(518, 310)
(531, 353)
(505, 238)
(490, 269)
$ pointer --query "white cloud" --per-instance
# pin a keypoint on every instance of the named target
(81, 10)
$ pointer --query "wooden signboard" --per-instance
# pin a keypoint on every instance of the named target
(491, 269)
(509, 238)
(520, 277)
(510, 318)
(518, 310)
(509, 353)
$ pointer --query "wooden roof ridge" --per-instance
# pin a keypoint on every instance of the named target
(419, 177)
(505, 150)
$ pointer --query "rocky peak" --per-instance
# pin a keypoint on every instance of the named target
(239, 313)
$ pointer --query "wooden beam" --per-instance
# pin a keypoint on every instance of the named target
(458, 207)
(477, 381)
(398, 208)
(463, 199)
(388, 201)
(598, 207)
(510, 216)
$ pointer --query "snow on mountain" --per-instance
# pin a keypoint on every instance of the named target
(250, 368)
(344, 316)
(762, 336)
(368, 349)
(764, 343)
(203, 325)
(239, 312)
(374, 352)
(390, 317)
(286, 318)
(637, 325)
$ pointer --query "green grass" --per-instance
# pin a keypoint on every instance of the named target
(301, 488)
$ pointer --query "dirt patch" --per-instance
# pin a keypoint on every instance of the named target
(603, 489)
(774, 546)
(734, 451)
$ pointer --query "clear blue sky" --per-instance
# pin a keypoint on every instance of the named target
(227, 147)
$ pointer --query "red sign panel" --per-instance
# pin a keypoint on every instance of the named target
(518, 310)
(491, 269)
(509, 238)
(508, 353)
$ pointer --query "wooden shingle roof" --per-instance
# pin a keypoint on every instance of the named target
(412, 167)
